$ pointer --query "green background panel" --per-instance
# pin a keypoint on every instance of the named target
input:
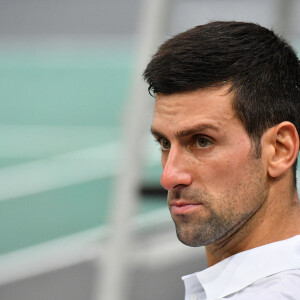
(39, 92)
(83, 88)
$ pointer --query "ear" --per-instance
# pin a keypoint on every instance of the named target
(283, 148)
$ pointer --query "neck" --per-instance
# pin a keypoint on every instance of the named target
(277, 219)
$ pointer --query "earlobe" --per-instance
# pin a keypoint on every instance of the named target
(284, 147)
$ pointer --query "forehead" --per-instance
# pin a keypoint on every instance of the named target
(184, 109)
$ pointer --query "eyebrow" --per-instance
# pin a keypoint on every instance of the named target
(188, 131)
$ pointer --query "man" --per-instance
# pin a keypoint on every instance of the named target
(227, 114)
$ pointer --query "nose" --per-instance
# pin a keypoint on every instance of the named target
(175, 171)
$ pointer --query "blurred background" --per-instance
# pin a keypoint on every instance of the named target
(82, 216)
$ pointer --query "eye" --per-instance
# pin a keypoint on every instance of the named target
(203, 142)
(164, 144)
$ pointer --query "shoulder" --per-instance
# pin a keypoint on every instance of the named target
(280, 286)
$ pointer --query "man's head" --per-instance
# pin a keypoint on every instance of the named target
(227, 96)
(261, 69)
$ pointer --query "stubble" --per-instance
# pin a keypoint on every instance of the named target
(222, 214)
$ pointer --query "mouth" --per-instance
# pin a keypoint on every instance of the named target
(183, 207)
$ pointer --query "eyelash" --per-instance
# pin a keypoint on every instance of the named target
(203, 137)
(195, 138)
(159, 142)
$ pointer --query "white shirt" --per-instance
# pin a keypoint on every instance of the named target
(269, 272)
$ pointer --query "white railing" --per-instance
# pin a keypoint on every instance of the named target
(153, 20)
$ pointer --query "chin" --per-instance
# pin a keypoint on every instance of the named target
(192, 239)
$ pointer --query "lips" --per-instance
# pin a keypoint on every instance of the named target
(183, 207)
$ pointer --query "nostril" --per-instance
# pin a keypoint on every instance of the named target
(179, 187)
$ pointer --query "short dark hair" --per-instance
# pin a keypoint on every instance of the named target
(261, 68)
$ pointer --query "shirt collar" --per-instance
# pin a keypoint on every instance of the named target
(242, 269)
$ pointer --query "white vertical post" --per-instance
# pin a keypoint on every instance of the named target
(152, 25)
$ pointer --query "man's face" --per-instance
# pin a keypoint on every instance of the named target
(215, 184)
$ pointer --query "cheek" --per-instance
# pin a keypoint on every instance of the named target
(227, 170)
(236, 189)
